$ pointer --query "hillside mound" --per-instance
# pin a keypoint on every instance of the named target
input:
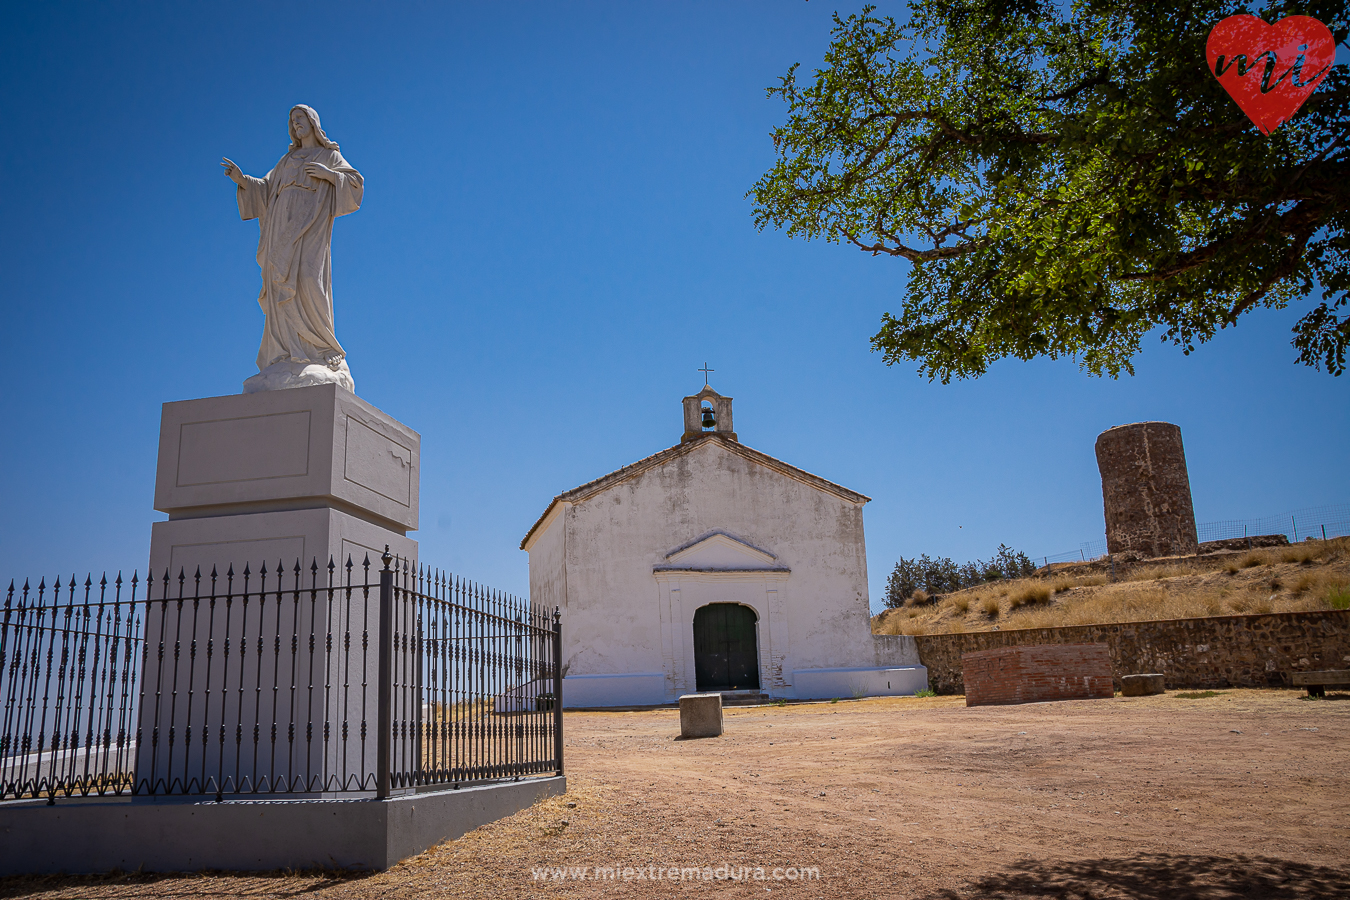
(1314, 575)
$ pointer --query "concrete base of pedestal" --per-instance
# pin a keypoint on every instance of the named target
(171, 834)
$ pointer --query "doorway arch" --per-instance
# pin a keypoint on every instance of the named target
(726, 648)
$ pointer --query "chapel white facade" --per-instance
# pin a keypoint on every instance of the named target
(710, 566)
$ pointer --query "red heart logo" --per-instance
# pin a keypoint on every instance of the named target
(1270, 69)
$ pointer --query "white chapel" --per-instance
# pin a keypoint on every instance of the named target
(710, 566)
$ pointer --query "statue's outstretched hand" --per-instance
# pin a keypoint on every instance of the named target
(319, 170)
(232, 171)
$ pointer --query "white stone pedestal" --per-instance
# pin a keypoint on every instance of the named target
(239, 690)
(306, 474)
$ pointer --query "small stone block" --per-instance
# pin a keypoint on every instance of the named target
(700, 715)
(1141, 685)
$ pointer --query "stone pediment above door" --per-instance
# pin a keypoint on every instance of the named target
(719, 551)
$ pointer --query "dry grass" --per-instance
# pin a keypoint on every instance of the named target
(1306, 577)
(1155, 573)
(1029, 595)
(1065, 583)
(1303, 554)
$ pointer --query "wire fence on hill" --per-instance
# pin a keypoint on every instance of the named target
(1319, 522)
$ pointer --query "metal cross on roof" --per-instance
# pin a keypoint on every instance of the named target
(705, 370)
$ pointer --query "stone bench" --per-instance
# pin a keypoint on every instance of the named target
(1316, 682)
(700, 715)
(1141, 685)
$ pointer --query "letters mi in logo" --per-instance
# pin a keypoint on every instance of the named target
(1270, 69)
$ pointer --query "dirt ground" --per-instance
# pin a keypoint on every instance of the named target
(1244, 794)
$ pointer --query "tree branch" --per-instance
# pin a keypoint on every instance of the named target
(1300, 222)
(913, 255)
(1101, 77)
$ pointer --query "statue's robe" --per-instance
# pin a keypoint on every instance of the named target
(295, 222)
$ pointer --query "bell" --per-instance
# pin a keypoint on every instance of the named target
(709, 420)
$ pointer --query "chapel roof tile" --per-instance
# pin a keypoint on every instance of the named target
(605, 482)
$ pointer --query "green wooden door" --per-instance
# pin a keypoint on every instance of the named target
(726, 654)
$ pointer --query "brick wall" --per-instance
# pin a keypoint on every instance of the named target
(1037, 673)
(1224, 651)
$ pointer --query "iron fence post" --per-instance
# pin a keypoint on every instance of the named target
(557, 690)
(83, 711)
(384, 717)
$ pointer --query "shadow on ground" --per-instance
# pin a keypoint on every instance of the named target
(181, 884)
(1160, 877)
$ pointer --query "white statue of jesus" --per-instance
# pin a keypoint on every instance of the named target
(295, 205)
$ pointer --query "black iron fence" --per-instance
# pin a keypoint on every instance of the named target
(333, 681)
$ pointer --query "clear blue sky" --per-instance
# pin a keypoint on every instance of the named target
(554, 238)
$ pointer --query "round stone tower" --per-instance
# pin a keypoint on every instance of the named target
(1146, 494)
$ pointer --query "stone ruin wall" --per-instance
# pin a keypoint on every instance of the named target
(1035, 674)
(1146, 493)
(1217, 652)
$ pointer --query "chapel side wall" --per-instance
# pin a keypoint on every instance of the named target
(548, 579)
(617, 537)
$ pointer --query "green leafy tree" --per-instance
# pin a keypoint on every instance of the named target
(940, 575)
(1066, 178)
(904, 580)
(1012, 563)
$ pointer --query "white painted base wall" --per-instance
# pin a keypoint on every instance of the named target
(625, 689)
(649, 688)
(828, 684)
